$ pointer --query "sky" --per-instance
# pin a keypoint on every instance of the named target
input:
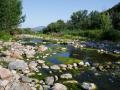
(43, 12)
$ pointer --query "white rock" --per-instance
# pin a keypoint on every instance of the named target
(88, 86)
(55, 67)
(81, 63)
(66, 76)
(58, 86)
(49, 80)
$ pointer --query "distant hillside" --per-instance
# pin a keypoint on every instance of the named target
(115, 9)
(40, 28)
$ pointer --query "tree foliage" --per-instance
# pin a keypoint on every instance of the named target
(106, 23)
(10, 14)
(55, 26)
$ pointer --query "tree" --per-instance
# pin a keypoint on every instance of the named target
(55, 26)
(94, 20)
(80, 19)
(106, 23)
(10, 14)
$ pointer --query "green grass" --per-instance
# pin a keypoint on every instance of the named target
(5, 36)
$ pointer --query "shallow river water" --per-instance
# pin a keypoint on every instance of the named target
(107, 80)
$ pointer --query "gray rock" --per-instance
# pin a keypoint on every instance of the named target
(26, 79)
(66, 76)
(19, 65)
(17, 86)
(46, 87)
(41, 87)
(49, 80)
(58, 86)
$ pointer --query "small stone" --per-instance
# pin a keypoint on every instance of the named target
(49, 80)
(46, 87)
(40, 61)
(81, 63)
(25, 79)
(3, 83)
(88, 86)
(55, 67)
(45, 67)
(56, 78)
(75, 64)
(70, 66)
(87, 64)
(33, 66)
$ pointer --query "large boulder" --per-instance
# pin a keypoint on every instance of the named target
(66, 76)
(5, 73)
(58, 86)
(18, 86)
(19, 65)
(49, 80)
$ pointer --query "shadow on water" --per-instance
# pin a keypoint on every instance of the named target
(93, 56)
(105, 81)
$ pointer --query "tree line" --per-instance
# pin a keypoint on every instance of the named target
(95, 25)
(82, 20)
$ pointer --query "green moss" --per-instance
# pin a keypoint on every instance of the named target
(73, 86)
(67, 60)
(48, 63)
(4, 64)
(38, 77)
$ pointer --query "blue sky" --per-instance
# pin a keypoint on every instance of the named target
(43, 12)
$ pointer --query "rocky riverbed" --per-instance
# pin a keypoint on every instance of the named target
(40, 64)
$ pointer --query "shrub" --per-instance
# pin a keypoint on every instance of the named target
(5, 35)
(112, 35)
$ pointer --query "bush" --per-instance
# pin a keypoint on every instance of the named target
(112, 35)
(91, 34)
(5, 35)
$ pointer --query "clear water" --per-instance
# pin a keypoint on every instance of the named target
(105, 80)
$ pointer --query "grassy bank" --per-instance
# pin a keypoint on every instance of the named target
(5, 36)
